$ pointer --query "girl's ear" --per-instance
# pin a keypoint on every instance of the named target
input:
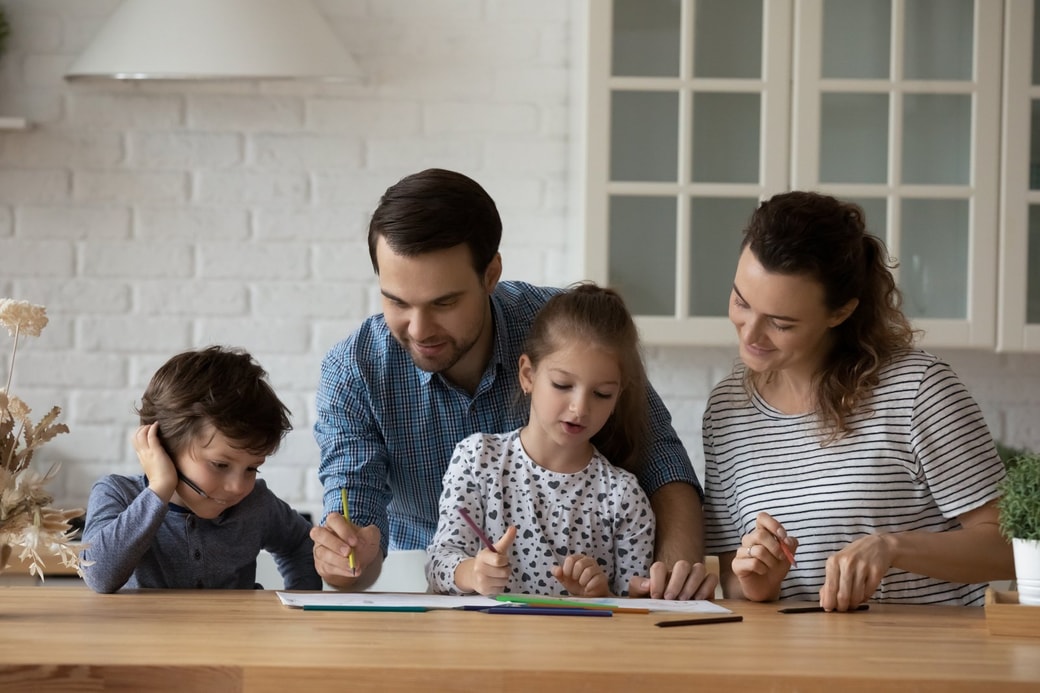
(526, 374)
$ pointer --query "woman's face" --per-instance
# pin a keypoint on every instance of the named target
(781, 319)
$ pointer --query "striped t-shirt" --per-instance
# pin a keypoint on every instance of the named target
(919, 454)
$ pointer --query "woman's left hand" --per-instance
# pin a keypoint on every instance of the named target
(853, 574)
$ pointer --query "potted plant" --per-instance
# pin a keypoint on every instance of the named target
(1020, 522)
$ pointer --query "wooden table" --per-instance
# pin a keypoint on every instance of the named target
(61, 638)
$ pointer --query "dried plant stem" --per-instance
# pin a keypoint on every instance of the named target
(14, 352)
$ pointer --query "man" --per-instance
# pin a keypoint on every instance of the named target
(439, 364)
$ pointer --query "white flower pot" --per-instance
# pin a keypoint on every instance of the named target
(1027, 570)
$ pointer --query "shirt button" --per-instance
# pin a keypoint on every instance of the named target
(198, 555)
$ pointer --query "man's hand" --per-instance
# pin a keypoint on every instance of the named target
(335, 542)
(684, 581)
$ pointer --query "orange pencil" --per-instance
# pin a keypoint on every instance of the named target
(787, 553)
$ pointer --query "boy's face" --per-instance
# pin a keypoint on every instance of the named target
(226, 474)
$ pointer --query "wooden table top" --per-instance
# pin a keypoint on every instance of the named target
(73, 639)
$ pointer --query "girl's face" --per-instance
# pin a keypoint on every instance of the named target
(226, 474)
(781, 319)
(573, 392)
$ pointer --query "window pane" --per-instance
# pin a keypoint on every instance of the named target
(853, 138)
(642, 253)
(1036, 43)
(937, 139)
(716, 227)
(1033, 267)
(933, 258)
(644, 136)
(726, 138)
(646, 38)
(856, 39)
(939, 39)
(728, 39)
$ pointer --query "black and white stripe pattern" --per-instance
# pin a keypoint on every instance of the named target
(918, 456)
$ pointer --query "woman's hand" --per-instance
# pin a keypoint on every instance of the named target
(582, 576)
(854, 573)
(760, 563)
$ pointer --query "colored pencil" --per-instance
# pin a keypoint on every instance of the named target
(550, 602)
(480, 533)
(346, 516)
(699, 621)
(543, 611)
(361, 607)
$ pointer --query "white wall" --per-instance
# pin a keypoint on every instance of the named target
(159, 217)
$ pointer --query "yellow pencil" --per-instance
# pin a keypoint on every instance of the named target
(346, 516)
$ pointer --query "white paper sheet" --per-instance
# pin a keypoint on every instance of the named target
(444, 601)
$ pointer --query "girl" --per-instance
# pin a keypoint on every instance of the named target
(567, 519)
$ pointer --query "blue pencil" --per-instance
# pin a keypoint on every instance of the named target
(550, 611)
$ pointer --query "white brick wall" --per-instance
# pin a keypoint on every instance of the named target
(156, 217)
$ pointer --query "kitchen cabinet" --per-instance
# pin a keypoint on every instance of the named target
(698, 109)
(1019, 288)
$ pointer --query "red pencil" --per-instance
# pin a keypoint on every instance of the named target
(480, 533)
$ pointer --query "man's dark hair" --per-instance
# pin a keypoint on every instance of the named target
(435, 210)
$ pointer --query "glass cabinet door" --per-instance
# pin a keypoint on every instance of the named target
(688, 116)
(1019, 305)
(898, 104)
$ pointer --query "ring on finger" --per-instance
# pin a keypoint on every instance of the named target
(749, 552)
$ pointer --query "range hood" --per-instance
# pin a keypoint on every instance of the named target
(215, 40)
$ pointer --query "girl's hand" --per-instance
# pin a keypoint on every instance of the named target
(488, 572)
(760, 563)
(582, 576)
(853, 574)
(157, 465)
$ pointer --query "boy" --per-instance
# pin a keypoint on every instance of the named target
(198, 517)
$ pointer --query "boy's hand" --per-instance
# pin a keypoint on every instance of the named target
(488, 572)
(582, 576)
(157, 465)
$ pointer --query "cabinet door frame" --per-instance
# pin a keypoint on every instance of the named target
(978, 328)
(593, 30)
(1014, 333)
(790, 88)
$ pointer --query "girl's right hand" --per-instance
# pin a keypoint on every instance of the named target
(157, 465)
(760, 563)
(490, 571)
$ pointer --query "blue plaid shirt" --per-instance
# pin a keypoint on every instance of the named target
(387, 429)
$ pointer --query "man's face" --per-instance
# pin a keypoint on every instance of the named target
(436, 306)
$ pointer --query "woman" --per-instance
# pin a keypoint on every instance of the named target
(835, 438)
